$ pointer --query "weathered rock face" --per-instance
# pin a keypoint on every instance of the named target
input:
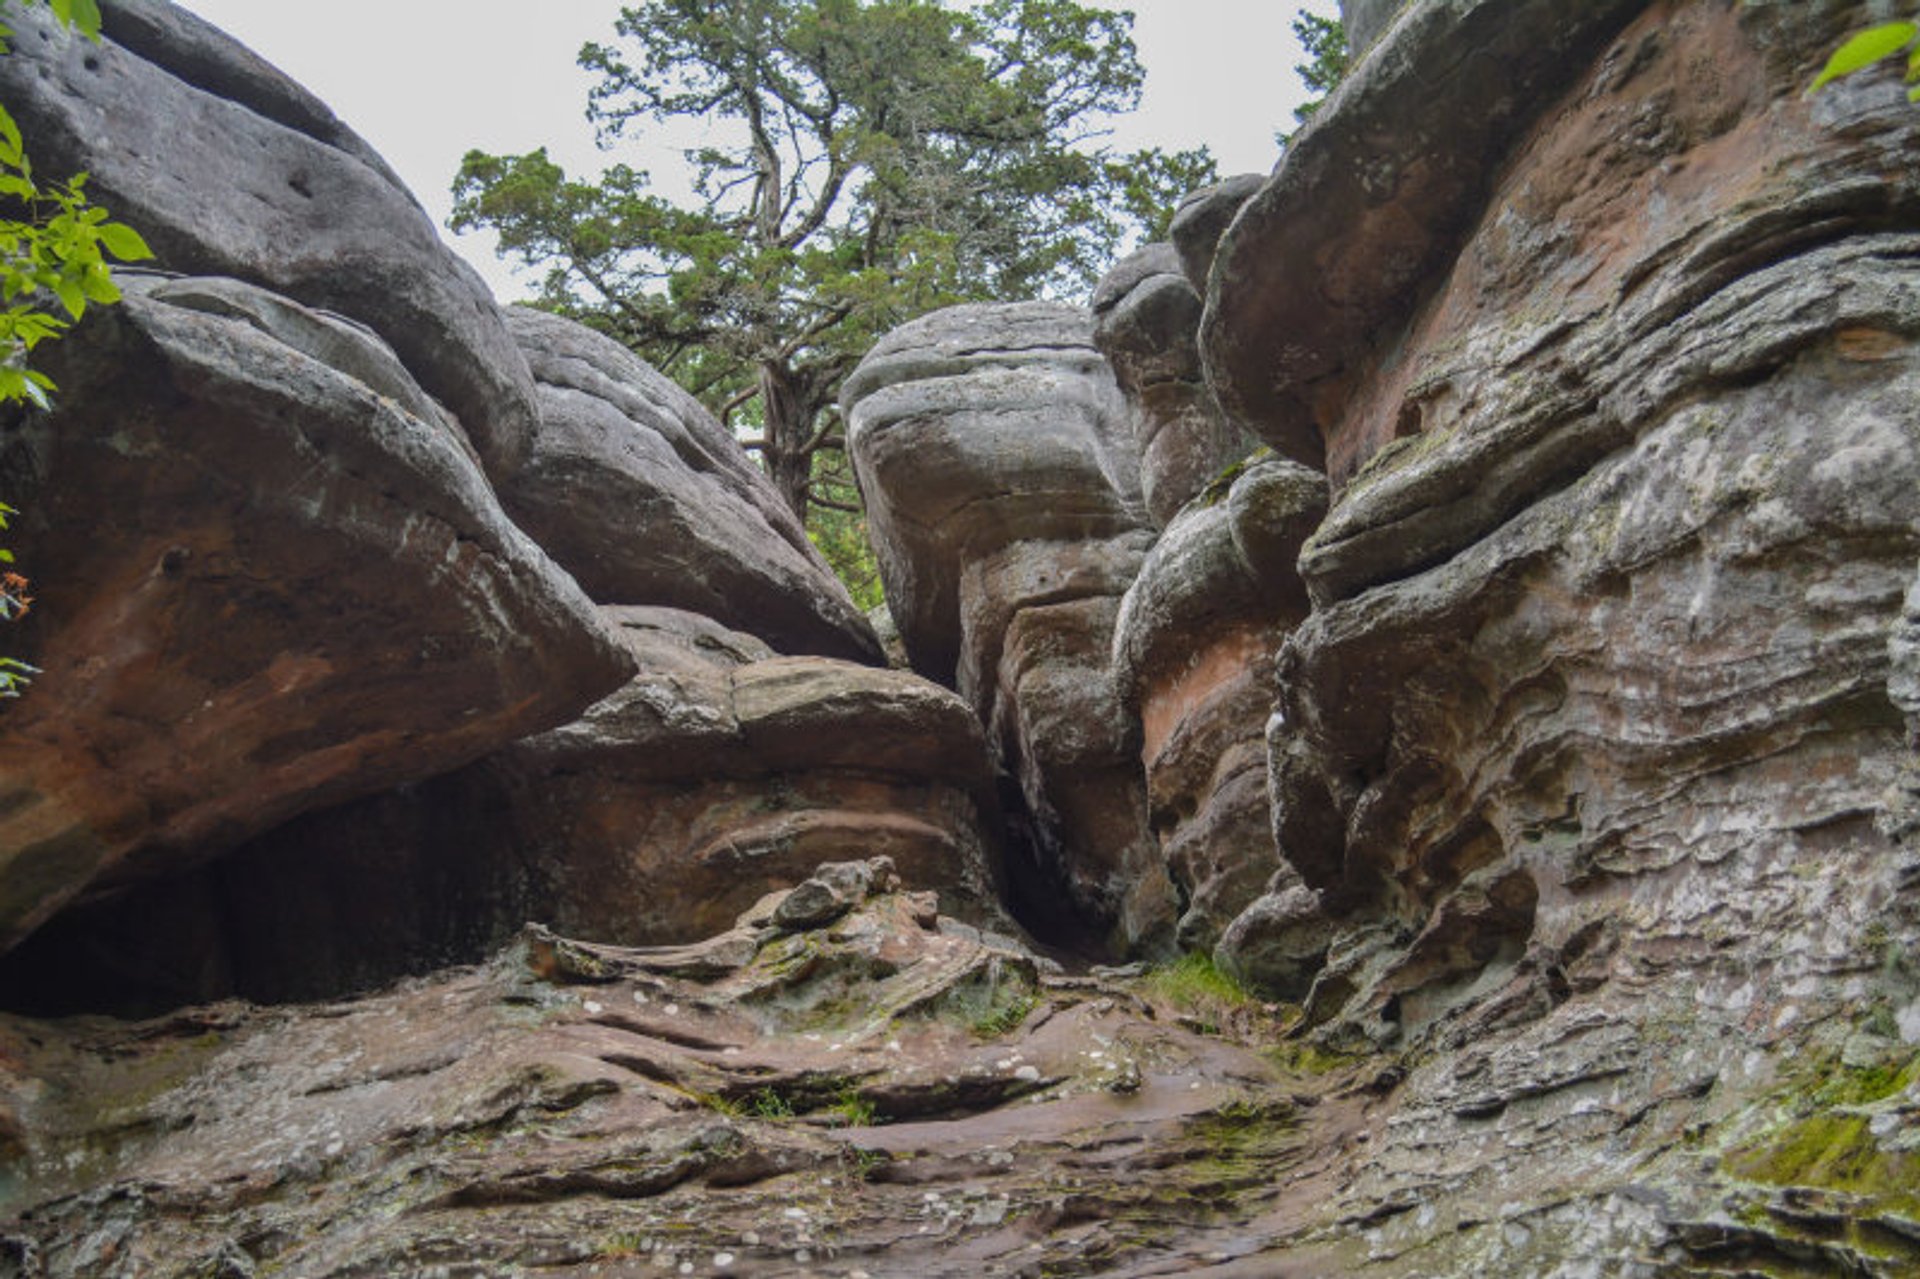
(1193, 653)
(1147, 322)
(253, 535)
(669, 807)
(1202, 218)
(1595, 739)
(1375, 198)
(1593, 806)
(1366, 20)
(229, 169)
(993, 451)
(640, 494)
(775, 1101)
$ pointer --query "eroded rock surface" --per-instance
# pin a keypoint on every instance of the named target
(1002, 485)
(890, 1092)
(254, 537)
(1147, 324)
(230, 169)
(1193, 652)
(640, 494)
(719, 772)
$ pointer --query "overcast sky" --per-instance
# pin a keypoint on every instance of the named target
(426, 80)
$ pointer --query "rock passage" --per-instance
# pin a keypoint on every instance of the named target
(1407, 766)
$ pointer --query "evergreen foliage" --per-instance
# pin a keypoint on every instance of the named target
(868, 161)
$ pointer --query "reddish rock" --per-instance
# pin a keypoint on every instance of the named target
(269, 577)
(1193, 652)
(719, 771)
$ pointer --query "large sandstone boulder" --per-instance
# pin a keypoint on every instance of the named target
(1147, 323)
(1002, 487)
(1373, 200)
(639, 493)
(974, 428)
(270, 576)
(230, 169)
(1596, 738)
(717, 772)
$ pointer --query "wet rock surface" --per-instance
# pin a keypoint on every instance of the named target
(1002, 482)
(641, 494)
(1535, 726)
(884, 1093)
(256, 536)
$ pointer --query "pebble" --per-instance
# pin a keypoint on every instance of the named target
(672, 1010)
(640, 997)
(723, 1259)
(592, 1008)
(1028, 1073)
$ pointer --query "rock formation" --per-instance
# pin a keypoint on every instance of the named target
(1534, 722)
(254, 534)
(717, 773)
(1002, 485)
(1147, 324)
(645, 499)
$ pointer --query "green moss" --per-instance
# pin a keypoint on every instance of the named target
(1195, 985)
(1864, 1085)
(1220, 485)
(1004, 1016)
(1300, 1057)
(1833, 1152)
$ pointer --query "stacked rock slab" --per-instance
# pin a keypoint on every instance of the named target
(646, 499)
(665, 810)
(1147, 323)
(1002, 486)
(1193, 648)
(1193, 654)
(269, 576)
(1595, 738)
(279, 529)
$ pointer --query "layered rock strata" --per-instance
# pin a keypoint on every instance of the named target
(1002, 485)
(1594, 739)
(720, 771)
(1147, 323)
(1193, 652)
(646, 499)
(254, 538)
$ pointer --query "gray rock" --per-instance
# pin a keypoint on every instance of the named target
(1278, 944)
(974, 428)
(1202, 218)
(229, 169)
(640, 494)
(831, 891)
(1146, 322)
(1366, 20)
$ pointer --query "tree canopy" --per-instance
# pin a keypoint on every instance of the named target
(867, 161)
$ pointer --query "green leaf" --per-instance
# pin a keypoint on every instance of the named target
(1864, 50)
(99, 286)
(124, 242)
(12, 148)
(71, 295)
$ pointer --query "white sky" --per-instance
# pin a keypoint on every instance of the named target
(425, 81)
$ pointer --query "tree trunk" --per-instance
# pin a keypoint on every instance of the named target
(788, 418)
